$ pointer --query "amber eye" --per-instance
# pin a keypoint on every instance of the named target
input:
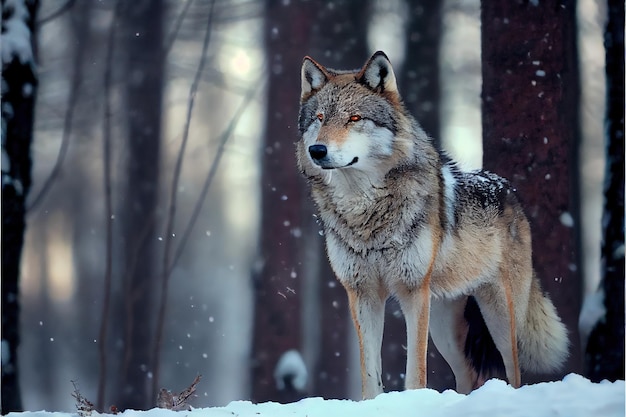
(355, 118)
(320, 116)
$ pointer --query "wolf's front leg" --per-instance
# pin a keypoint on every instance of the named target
(368, 314)
(415, 304)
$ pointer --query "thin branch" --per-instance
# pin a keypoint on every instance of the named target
(228, 132)
(106, 147)
(179, 20)
(172, 208)
(64, 8)
(77, 77)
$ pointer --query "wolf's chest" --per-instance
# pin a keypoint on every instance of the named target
(392, 254)
(377, 240)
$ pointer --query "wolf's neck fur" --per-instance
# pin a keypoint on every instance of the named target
(367, 207)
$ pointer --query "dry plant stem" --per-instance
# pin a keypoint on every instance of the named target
(83, 405)
(172, 207)
(172, 401)
(106, 147)
(188, 392)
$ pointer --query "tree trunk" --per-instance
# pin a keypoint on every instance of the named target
(277, 318)
(338, 40)
(419, 80)
(19, 87)
(605, 348)
(531, 134)
(142, 25)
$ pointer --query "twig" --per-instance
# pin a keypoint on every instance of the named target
(64, 8)
(106, 147)
(69, 113)
(211, 174)
(172, 207)
(179, 20)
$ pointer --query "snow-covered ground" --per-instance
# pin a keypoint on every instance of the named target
(574, 396)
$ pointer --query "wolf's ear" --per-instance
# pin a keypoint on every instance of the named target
(378, 74)
(314, 76)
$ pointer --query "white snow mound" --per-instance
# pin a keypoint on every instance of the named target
(574, 396)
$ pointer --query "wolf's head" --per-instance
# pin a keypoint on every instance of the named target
(352, 120)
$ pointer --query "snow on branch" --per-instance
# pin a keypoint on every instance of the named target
(291, 371)
(15, 38)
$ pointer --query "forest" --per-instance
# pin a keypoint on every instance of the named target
(155, 227)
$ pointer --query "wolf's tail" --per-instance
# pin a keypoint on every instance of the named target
(542, 341)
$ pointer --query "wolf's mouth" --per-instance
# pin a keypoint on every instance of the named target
(354, 161)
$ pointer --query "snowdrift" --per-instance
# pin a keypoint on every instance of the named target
(574, 396)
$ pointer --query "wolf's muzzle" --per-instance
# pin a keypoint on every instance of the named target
(318, 152)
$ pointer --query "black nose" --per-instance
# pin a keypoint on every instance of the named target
(317, 151)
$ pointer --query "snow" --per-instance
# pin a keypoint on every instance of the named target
(593, 310)
(15, 37)
(291, 367)
(574, 396)
(566, 219)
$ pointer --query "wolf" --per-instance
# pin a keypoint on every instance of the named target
(401, 220)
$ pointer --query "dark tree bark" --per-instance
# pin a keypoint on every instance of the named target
(605, 349)
(277, 318)
(142, 36)
(19, 87)
(419, 80)
(338, 40)
(531, 133)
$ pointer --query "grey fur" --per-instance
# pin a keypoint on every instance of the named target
(402, 220)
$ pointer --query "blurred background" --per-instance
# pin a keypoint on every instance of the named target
(216, 264)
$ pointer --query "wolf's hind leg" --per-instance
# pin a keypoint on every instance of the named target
(449, 329)
(497, 308)
(368, 314)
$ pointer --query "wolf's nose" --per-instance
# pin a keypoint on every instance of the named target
(317, 151)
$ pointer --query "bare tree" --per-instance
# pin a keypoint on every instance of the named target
(531, 133)
(142, 37)
(168, 256)
(605, 349)
(277, 317)
(19, 87)
(103, 334)
(419, 80)
(338, 39)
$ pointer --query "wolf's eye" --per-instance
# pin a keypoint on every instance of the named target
(355, 118)
(320, 116)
